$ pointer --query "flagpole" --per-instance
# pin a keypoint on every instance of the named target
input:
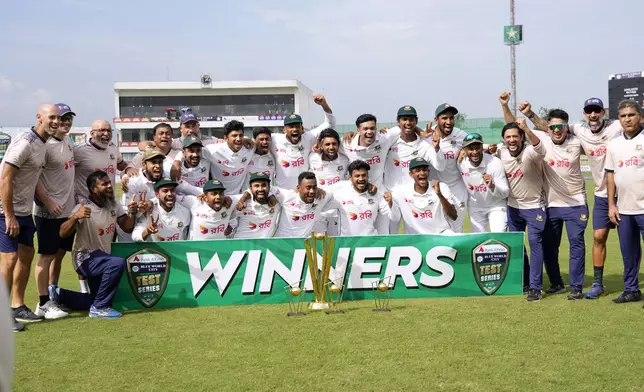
(513, 66)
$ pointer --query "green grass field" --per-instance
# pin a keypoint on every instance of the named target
(458, 344)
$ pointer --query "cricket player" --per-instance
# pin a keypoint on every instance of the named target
(94, 220)
(292, 148)
(167, 220)
(263, 161)
(357, 208)
(20, 171)
(258, 218)
(54, 203)
(487, 187)
(211, 212)
(425, 208)
(594, 134)
(624, 178)
(195, 170)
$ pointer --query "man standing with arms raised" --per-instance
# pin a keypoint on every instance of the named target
(21, 168)
(625, 179)
(292, 148)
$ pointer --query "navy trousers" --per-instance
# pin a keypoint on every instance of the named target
(535, 220)
(630, 228)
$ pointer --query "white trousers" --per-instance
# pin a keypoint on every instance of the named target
(497, 220)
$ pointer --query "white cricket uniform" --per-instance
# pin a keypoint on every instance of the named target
(357, 211)
(172, 225)
(260, 163)
(422, 213)
(485, 205)
(293, 159)
(564, 183)
(594, 145)
(256, 220)
(89, 158)
(397, 165)
(206, 223)
(451, 146)
(625, 158)
(525, 176)
(57, 177)
(375, 154)
(194, 178)
(327, 174)
(228, 166)
(297, 217)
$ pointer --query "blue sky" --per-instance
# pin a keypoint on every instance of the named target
(366, 56)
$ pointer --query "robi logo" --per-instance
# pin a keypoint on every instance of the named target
(353, 216)
(600, 152)
(68, 164)
(306, 217)
(396, 162)
(285, 163)
(224, 162)
(203, 230)
(252, 226)
(632, 161)
(225, 173)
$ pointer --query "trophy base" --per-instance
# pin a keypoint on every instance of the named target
(294, 314)
(381, 310)
(336, 311)
(318, 305)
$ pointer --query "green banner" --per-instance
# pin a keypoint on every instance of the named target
(238, 272)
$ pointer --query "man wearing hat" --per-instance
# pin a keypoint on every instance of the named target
(426, 208)
(487, 187)
(54, 203)
(407, 146)
(292, 148)
(195, 170)
(189, 125)
(451, 143)
(211, 212)
(166, 220)
(258, 218)
(94, 220)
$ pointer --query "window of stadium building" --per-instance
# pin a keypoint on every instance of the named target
(202, 106)
(131, 135)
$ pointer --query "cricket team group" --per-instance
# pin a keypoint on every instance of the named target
(368, 182)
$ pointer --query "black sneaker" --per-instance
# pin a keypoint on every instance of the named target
(575, 295)
(628, 296)
(25, 315)
(526, 290)
(556, 289)
(534, 295)
(17, 327)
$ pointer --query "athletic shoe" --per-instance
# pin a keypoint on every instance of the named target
(107, 312)
(575, 295)
(534, 295)
(51, 311)
(526, 290)
(55, 296)
(595, 292)
(25, 315)
(556, 289)
(17, 327)
(628, 296)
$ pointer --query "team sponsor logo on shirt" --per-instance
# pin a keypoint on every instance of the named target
(632, 161)
(515, 174)
(449, 155)
(329, 181)
(360, 215)
(477, 188)
(422, 214)
(223, 162)
(558, 163)
(213, 230)
(106, 231)
(261, 226)
(305, 217)
(296, 163)
(599, 152)
(347, 202)
(373, 160)
(68, 164)
(403, 164)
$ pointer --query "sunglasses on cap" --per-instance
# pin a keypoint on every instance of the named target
(593, 109)
(473, 136)
(560, 127)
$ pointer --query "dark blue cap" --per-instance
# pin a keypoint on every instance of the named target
(187, 116)
(64, 109)
(593, 102)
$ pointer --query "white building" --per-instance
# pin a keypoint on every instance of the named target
(139, 106)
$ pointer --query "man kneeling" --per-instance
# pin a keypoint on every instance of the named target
(95, 220)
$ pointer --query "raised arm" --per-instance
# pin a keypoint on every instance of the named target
(504, 98)
(531, 137)
(539, 123)
(329, 119)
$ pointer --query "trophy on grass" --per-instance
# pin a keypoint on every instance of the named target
(382, 294)
(326, 296)
(295, 297)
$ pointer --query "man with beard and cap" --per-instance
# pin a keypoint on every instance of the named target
(487, 187)
(566, 201)
(195, 171)
(211, 212)
(54, 203)
(330, 167)
(301, 207)
(425, 208)
(94, 220)
(407, 146)
(99, 153)
(357, 208)
(292, 148)
(594, 134)
(166, 220)
(526, 203)
(258, 218)
(189, 126)
(20, 171)
(263, 161)
(625, 182)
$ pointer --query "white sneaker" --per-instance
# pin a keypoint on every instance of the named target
(50, 311)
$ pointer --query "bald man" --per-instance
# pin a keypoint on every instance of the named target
(20, 170)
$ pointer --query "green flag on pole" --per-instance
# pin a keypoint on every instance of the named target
(513, 34)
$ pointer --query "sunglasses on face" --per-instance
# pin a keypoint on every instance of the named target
(591, 109)
(560, 127)
(473, 136)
